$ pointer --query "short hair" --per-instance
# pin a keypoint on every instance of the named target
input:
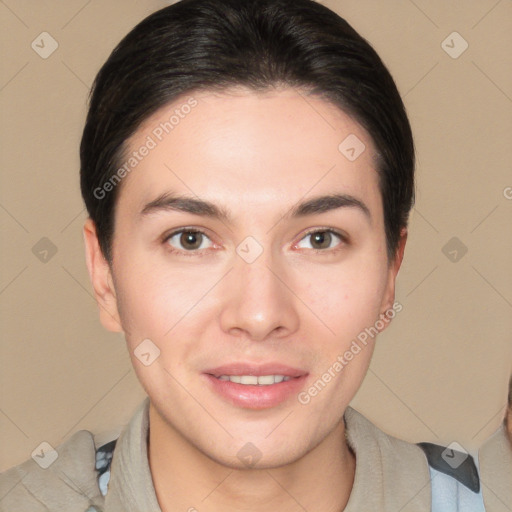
(202, 45)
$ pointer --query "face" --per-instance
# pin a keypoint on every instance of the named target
(247, 244)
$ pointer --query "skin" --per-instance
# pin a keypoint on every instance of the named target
(508, 417)
(508, 423)
(256, 155)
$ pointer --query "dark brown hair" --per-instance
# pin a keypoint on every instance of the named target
(214, 44)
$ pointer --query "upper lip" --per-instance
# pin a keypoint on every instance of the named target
(258, 370)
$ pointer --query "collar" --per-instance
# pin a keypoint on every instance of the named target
(390, 474)
(495, 458)
(131, 487)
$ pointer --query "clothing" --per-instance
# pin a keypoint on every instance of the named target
(450, 495)
(391, 475)
(69, 484)
(495, 460)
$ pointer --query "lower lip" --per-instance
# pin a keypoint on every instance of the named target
(256, 397)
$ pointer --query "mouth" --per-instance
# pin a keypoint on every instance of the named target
(254, 380)
(250, 386)
(241, 369)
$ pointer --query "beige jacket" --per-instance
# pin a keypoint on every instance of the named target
(391, 475)
(495, 461)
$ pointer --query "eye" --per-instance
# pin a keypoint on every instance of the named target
(321, 240)
(188, 240)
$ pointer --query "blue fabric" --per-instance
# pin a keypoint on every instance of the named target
(449, 495)
(104, 456)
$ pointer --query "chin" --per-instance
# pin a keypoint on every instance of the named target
(251, 457)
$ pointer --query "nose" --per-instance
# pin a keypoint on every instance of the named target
(258, 302)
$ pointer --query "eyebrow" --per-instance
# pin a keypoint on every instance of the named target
(196, 206)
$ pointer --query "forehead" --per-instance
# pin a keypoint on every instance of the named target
(247, 147)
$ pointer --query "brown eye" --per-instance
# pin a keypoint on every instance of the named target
(321, 240)
(188, 240)
(191, 240)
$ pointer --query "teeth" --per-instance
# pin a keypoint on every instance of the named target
(263, 380)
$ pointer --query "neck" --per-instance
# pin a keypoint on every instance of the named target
(185, 478)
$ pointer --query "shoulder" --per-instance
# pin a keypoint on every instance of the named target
(495, 460)
(393, 474)
(497, 447)
(64, 478)
(423, 476)
(384, 449)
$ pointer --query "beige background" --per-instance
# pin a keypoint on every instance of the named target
(440, 371)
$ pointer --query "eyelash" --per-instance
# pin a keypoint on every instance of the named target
(343, 239)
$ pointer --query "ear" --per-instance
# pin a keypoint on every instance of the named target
(101, 279)
(508, 423)
(394, 267)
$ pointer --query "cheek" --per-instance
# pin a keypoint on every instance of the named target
(157, 300)
(346, 298)
(148, 298)
(348, 302)
(158, 304)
